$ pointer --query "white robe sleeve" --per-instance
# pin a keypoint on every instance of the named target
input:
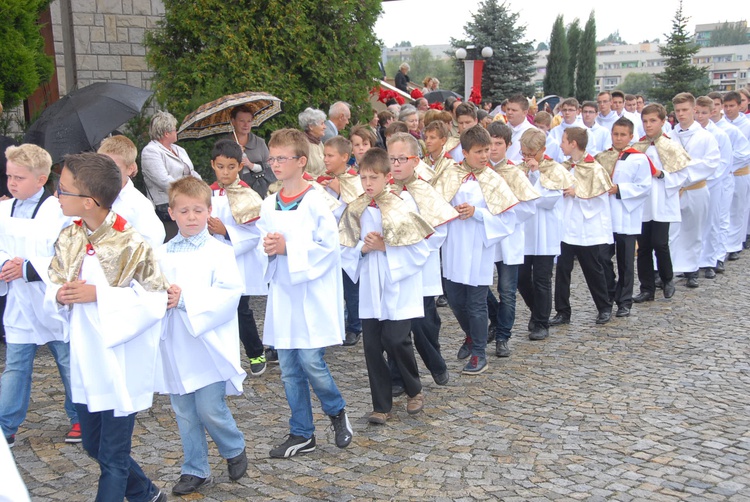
(495, 227)
(633, 192)
(591, 207)
(548, 199)
(243, 238)
(405, 261)
(436, 240)
(351, 260)
(125, 313)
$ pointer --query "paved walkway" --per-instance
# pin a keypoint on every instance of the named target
(651, 407)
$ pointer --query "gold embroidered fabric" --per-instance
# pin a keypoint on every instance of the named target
(517, 181)
(122, 253)
(553, 175)
(440, 164)
(424, 171)
(401, 226)
(608, 159)
(672, 156)
(333, 202)
(452, 143)
(244, 202)
(591, 179)
(497, 194)
(350, 186)
(432, 207)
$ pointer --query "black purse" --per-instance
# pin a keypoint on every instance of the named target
(162, 212)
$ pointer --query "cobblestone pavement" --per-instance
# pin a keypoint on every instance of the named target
(651, 407)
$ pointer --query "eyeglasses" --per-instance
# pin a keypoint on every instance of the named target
(401, 160)
(527, 155)
(280, 160)
(60, 191)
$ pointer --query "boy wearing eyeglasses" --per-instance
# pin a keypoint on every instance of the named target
(235, 208)
(29, 223)
(107, 285)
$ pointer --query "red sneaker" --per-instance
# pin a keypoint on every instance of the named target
(74, 436)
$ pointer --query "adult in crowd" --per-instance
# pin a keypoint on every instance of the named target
(402, 78)
(338, 118)
(255, 171)
(162, 162)
(313, 122)
(5, 142)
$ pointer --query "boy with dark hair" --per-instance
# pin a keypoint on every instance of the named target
(466, 117)
(588, 226)
(106, 283)
(515, 112)
(484, 203)
(199, 352)
(234, 209)
(301, 243)
(607, 115)
(740, 212)
(600, 137)
(384, 248)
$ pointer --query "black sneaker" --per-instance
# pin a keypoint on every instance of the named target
(351, 338)
(272, 356)
(293, 445)
(237, 466)
(11, 440)
(159, 497)
(441, 378)
(342, 429)
(258, 365)
(441, 301)
(189, 484)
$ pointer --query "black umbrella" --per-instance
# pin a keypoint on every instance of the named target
(81, 119)
(441, 95)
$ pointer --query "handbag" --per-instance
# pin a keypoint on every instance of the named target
(162, 212)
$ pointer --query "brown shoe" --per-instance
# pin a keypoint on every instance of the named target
(378, 418)
(414, 404)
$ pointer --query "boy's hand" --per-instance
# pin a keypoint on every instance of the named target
(216, 227)
(613, 190)
(274, 244)
(12, 270)
(657, 173)
(374, 241)
(570, 192)
(173, 296)
(334, 185)
(76, 292)
(465, 211)
(532, 164)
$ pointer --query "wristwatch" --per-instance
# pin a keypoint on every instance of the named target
(661, 175)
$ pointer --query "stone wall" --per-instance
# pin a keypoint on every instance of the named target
(102, 40)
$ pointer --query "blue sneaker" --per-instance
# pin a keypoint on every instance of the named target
(475, 366)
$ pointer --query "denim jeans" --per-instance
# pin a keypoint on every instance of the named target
(107, 438)
(469, 305)
(507, 284)
(301, 369)
(206, 410)
(15, 384)
(351, 298)
(248, 329)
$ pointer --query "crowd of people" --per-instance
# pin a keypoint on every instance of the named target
(364, 237)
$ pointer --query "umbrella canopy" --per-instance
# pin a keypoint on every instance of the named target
(213, 118)
(78, 121)
(440, 95)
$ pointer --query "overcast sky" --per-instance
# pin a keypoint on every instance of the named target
(432, 22)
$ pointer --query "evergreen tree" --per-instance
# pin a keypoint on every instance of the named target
(574, 41)
(556, 79)
(23, 64)
(305, 52)
(585, 88)
(511, 68)
(679, 75)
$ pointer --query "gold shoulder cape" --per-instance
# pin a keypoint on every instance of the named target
(401, 226)
(122, 253)
(244, 202)
(440, 164)
(517, 181)
(350, 186)
(608, 159)
(432, 207)
(424, 171)
(672, 156)
(497, 194)
(333, 203)
(452, 143)
(591, 179)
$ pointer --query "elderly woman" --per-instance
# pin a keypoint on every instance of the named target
(163, 162)
(402, 79)
(313, 122)
(255, 169)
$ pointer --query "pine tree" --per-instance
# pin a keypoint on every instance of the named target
(556, 79)
(511, 68)
(679, 75)
(574, 41)
(585, 88)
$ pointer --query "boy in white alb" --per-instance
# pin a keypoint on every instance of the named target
(516, 110)
(235, 208)
(301, 242)
(199, 348)
(740, 209)
(601, 139)
(131, 204)
(29, 225)
(107, 285)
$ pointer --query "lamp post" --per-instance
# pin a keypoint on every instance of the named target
(473, 67)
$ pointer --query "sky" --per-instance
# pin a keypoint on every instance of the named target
(422, 22)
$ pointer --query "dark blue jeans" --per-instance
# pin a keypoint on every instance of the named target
(106, 438)
(469, 305)
(351, 298)
(507, 284)
(426, 332)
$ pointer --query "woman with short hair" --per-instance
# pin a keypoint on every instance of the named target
(313, 122)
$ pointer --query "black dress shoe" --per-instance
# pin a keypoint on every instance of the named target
(644, 297)
(351, 338)
(189, 484)
(658, 284)
(604, 317)
(733, 256)
(622, 311)
(441, 301)
(397, 390)
(532, 324)
(692, 280)
(719, 268)
(501, 349)
(709, 273)
(237, 466)
(669, 289)
(559, 319)
(539, 333)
